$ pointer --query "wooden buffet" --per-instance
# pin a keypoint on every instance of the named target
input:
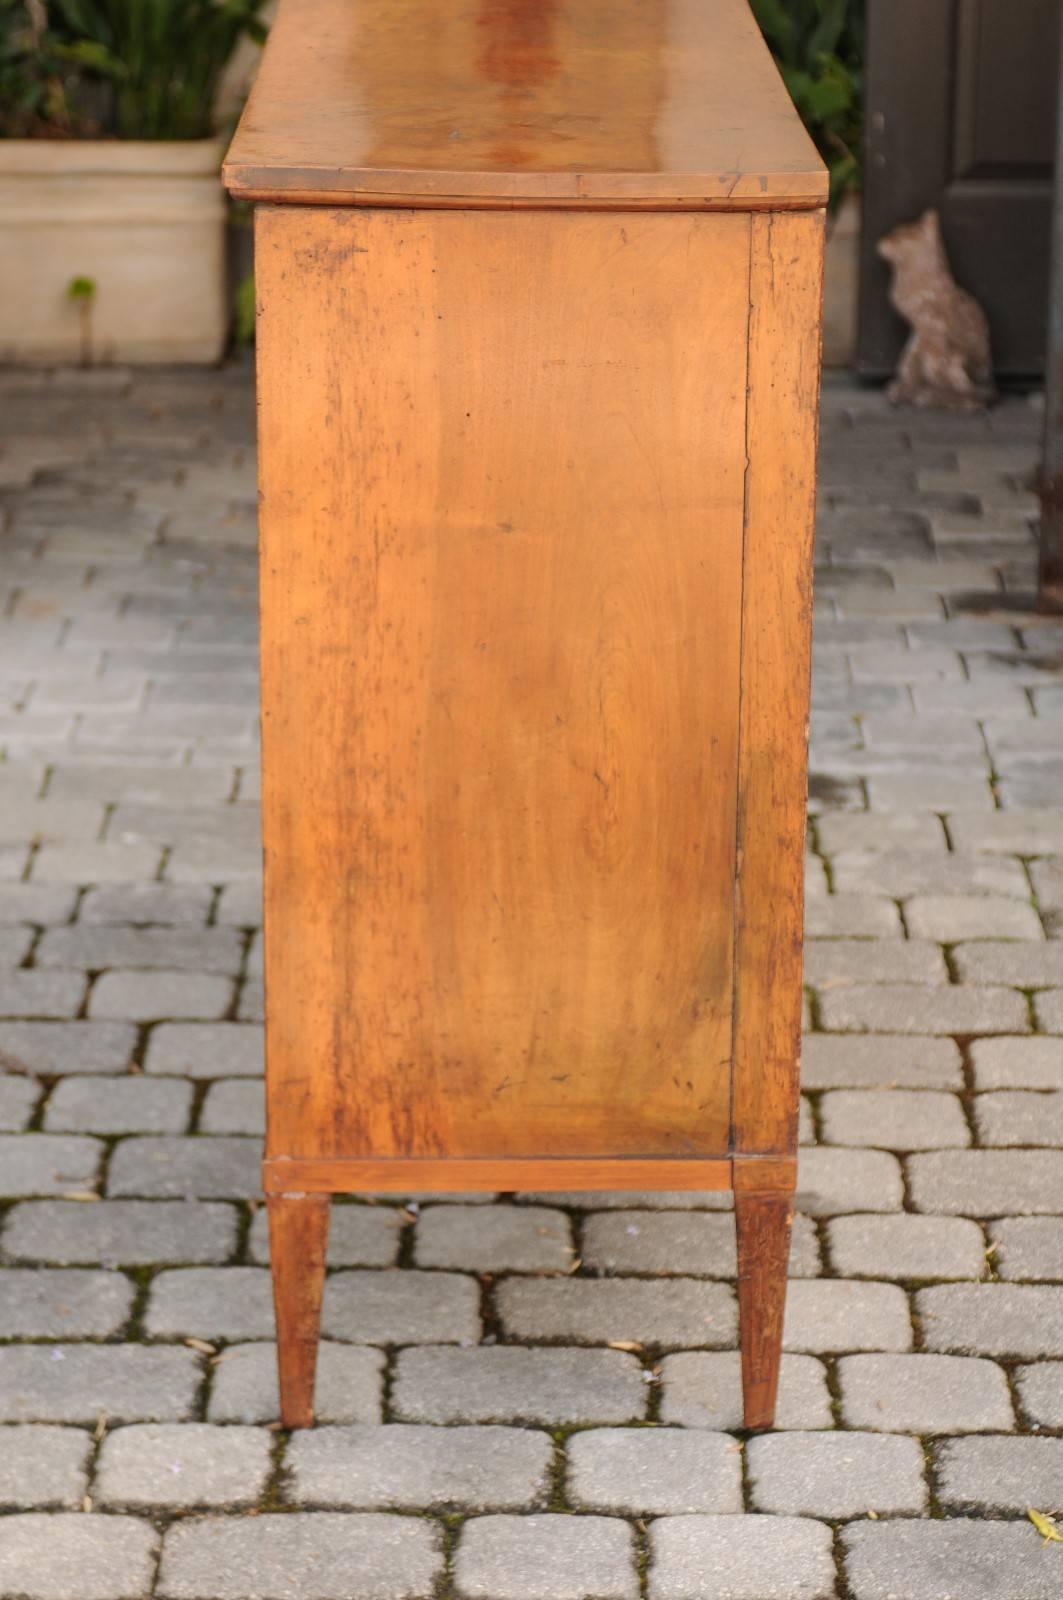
(538, 342)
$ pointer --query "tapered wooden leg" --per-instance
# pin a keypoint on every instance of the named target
(763, 1225)
(298, 1239)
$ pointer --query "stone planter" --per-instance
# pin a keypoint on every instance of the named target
(144, 221)
(841, 268)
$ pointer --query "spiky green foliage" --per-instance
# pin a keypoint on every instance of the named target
(128, 69)
(819, 48)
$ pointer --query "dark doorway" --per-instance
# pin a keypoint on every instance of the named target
(961, 98)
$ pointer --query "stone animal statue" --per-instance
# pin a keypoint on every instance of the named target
(947, 360)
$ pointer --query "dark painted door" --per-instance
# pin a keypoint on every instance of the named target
(961, 99)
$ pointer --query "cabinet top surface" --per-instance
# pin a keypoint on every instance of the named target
(623, 103)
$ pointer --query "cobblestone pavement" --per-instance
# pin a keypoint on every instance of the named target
(480, 1437)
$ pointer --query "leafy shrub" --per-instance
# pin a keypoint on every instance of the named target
(818, 46)
(126, 69)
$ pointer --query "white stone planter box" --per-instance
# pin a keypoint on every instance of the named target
(144, 221)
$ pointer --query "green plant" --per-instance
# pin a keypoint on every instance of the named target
(35, 79)
(818, 46)
(81, 292)
(127, 69)
(244, 310)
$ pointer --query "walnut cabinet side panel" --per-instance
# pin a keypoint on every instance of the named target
(504, 503)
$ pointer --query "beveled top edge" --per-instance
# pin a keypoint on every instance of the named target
(648, 103)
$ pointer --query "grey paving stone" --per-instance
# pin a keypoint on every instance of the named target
(882, 1061)
(301, 1556)
(954, 1560)
(359, 1236)
(1039, 736)
(949, 918)
(1025, 964)
(40, 903)
(349, 1384)
(1028, 1248)
(654, 1471)
(66, 1556)
(910, 666)
(545, 1557)
(832, 1180)
(210, 1303)
(77, 1382)
(18, 1098)
(1040, 1391)
(234, 1106)
(27, 992)
(1020, 1117)
(55, 1049)
(740, 1558)
(1046, 875)
(42, 1465)
(836, 1474)
(669, 1243)
(830, 1314)
(14, 945)
(673, 1312)
(118, 1105)
(214, 950)
(393, 1307)
(998, 1474)
(987, 1183)
(423, 1468)
(119, 1233)
(150, 996)
(1017, 1063)
(88, 863)
(494, 1239)
(209, 861)
(893, 1119)
(240, 905)
(175, 905)
(62, 1303)
(507, 1384)
(913, 1008)
(252, 1004)
(47, 1163)
(853, 916)
(1048, 1004)
(860, 831)
(152, 1465)
(902, 873)
(182, 825)
(1012, 833)
(141, 782)
(213, 1168)
(50, 821)
(206, 1050)
(906, 1247)
(702, 1389)
(833, 962)
(994, 1319)
(924, 1393)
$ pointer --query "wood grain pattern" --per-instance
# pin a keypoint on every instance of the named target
(569, 102)
(501, 569)
(298, 1242)
(762, 1225)
(340, 1175)
(785, 288)
(442, 1174)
